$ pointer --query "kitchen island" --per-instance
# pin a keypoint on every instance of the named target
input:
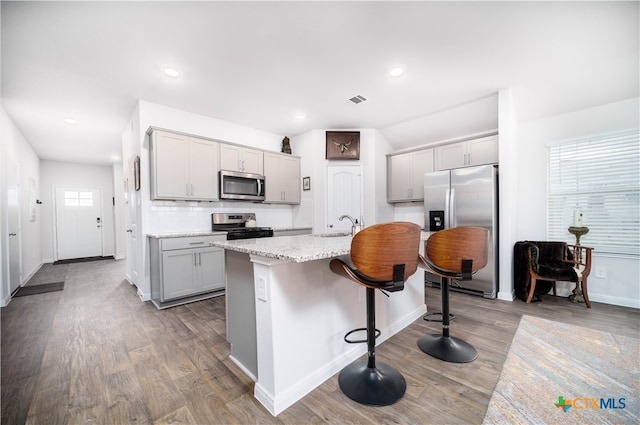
(287, 313)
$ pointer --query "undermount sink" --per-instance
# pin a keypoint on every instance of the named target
(330, 235)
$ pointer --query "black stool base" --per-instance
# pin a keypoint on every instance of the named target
(447, 348)
(379, 386)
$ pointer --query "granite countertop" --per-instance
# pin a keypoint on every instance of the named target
(184, 234)
(297, 249)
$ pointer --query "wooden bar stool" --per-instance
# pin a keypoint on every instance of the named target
(384, 256)
(454, 253)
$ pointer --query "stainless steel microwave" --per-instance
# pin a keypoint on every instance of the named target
(241, 186)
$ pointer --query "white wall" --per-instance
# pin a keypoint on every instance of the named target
(479, 116)
(310, 211)
(55, 173)
(311, 146)
(119, 225)
(16, 150)
(507, 192)
(622, 286)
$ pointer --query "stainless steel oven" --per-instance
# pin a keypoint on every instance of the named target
(241, 186)
(239, 226)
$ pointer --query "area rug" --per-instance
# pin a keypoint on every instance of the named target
(558, 373)
(39, 289)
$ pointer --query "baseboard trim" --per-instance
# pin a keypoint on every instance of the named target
(608, 299)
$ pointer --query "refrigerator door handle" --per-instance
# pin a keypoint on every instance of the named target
(452, 207)
(447, 208)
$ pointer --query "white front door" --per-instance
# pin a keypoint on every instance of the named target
(78, 222)
(344, 196)
(13, 210)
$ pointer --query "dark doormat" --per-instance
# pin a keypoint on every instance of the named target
(39, 289)
(82, 260)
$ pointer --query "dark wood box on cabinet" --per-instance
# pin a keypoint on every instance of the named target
(343, 145)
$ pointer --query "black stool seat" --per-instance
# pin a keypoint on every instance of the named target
(384, 256)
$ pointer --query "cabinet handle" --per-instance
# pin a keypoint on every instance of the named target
(191, 189)
(195, 260)
(196, 243)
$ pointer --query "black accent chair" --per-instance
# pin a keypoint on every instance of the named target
(455, 253)
(383, 256)
(539, 264)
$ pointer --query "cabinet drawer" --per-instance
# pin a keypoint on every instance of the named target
(187, 242)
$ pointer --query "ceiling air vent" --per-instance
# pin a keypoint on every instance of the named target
(358, 99)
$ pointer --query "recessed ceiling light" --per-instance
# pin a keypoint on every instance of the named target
(396, 72)
(115, 157)
(299, 116)
(171, 72)
(70, 121)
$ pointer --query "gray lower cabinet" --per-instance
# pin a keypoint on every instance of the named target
(185, 269)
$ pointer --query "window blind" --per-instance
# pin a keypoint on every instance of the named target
(599, 178)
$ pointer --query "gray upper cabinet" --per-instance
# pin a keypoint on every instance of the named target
(239, 158)
(405, 175)
(183, 167)
(282, 178)
(480, 151)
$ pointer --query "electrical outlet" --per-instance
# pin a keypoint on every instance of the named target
(601, 272)
(262, 289)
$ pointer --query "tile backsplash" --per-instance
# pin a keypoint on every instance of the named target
(176, 216)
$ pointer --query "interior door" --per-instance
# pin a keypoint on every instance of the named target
(344, 196)
(13, 210)
(78, 222)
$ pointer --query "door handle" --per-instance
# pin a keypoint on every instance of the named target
(13, 234)
(129, 231)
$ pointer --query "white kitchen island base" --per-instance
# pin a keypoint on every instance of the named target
(302, 312)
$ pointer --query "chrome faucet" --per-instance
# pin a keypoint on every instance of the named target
(355, 226)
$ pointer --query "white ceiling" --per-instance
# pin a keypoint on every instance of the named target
(260, 63)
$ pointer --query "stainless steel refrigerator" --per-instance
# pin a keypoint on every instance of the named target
(465, 197)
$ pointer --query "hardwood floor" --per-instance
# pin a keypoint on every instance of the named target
(94, 353)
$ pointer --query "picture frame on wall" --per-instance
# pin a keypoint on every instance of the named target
(136, 173)
(343, 145)
(306, 183)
